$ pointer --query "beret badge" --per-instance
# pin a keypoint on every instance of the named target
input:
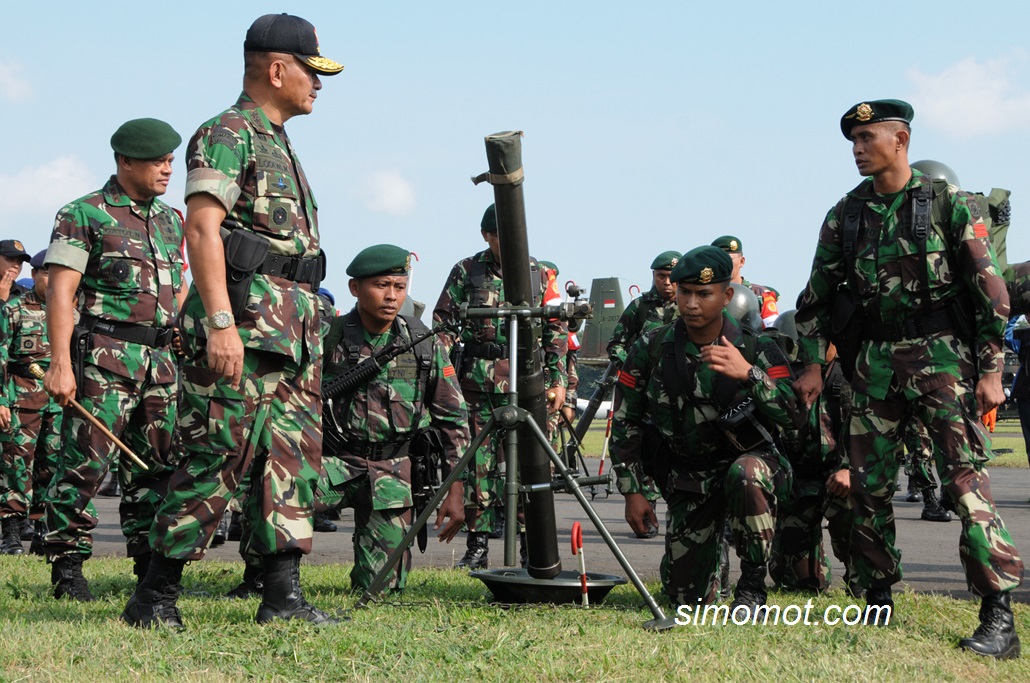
(706, 275)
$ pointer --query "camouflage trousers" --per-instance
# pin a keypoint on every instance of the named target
(377, 533)
(31, 457)
(484, 487)
(143, 416)
(919, 459)
(961, 450)
(799, 561)
(267, 432)
(746, 494)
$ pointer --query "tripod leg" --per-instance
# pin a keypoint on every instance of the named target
(660, 621)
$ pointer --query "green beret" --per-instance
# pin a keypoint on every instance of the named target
(549, 265)
(380, 259)
(144, 139)
(489, 222)
(703, 266)
(874, 112)
(729, 244)
(665, 260)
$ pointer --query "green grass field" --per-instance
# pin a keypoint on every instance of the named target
(444, 629)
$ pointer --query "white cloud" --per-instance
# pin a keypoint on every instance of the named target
(48, 186)
(388, 192)
(971, 98)
(12, 86)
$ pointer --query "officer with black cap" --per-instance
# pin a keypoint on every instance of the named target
(12, 258)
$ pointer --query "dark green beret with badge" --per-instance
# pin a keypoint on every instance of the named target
(145, 139)
(549, 265)
(380, 259)
(729, 244)
(666, 260)
(865, 113)
(703, 266)
(489, 222)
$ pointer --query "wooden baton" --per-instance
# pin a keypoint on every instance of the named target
(38, 373)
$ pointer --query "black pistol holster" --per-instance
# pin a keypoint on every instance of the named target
(245, 253)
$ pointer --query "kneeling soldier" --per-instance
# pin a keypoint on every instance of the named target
(375, 436)
(697, 404)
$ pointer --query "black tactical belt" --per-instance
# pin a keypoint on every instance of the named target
(20, 369)
(919, 325)
(156, 337)
(487, 351)
(295, 268)
(373, 450)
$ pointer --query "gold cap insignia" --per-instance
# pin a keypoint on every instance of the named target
(733, 245)
(407, 263)
(863, 112)
(18, 246)
(673, 262)
(706, 275)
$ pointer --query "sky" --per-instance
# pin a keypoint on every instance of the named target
(648, 126)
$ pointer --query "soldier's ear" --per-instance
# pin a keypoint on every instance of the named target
(352, 285)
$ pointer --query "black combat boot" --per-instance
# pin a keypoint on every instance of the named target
(724, 569)
(140, 566)
(11, 544)
(153, 603)
(111, 489)
(38, 545)
(27, 529)
(253, 580)
(881, 598)
(235, 526)
(66, 576)
(933, 511)
(750, 590)
(282, 598)
(477, 551)
(498, 529)
(914, 494)
(322, 524)
(221, 532)
(996, 635)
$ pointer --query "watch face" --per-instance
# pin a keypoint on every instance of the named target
(221, 320)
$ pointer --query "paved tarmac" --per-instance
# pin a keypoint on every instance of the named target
(930, 549)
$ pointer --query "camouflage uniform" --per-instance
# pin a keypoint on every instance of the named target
(910, 375)
(484, 369)
(130, 257)
(629, 328)
(31, 445)
(815, 452)
(372, 474)
(267, 430)
(709, 479)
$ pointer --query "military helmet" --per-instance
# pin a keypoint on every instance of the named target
(785, 324)
(937, 171)
(743, 307)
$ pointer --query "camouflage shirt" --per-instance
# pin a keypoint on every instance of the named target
(130, 257)
(391, 409)
(23, 340)
(248, 164)
(487, 291)
(628, 329)
(641, 397)
(889, 280)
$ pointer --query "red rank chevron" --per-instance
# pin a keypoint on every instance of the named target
(448, 371)
(778, 372)
(979, 230)
(627, 380)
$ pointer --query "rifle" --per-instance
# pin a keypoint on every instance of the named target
(604, 386)
(425, 455)
(363, 372)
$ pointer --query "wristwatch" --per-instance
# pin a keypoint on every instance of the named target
(755, 376)
(220, 320)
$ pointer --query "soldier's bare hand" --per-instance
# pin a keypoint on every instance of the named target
(839, 483)
(810, 384)
(726, 359)
(5, 418)
(225, 354)
(453, 510)
(59, 382)
(7, 281)
(989, 393)
(555, 399)
(639, 514)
